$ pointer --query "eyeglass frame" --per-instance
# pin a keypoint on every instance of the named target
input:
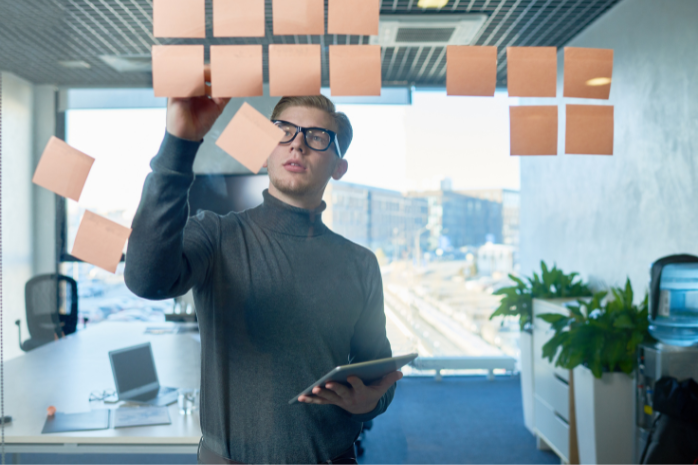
(333, 137)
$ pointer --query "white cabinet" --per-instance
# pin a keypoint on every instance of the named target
(551, 385)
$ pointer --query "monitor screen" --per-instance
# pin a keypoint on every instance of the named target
(225, 193)
(133, 367)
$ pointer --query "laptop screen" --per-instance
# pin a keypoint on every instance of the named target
(133, 368)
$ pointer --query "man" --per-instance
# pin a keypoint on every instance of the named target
(280, 298)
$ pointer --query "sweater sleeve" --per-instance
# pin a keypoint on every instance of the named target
(169, 253)
(370, 341)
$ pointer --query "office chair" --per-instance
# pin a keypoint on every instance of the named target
(51, 302)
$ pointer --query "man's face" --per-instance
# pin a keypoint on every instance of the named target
(295, 169)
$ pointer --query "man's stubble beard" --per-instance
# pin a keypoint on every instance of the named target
(289, 187)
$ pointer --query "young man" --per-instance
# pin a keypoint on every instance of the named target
(280, 298)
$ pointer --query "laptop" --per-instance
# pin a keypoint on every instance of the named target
(136, 379)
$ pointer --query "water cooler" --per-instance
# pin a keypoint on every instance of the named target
(674, 323)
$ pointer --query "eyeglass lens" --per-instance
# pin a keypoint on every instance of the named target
(315, 138)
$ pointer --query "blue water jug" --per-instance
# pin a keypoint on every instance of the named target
(674, 300)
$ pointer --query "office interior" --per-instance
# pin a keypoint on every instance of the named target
(607, 218)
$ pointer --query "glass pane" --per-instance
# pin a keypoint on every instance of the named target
(113, 190)
(434, 194)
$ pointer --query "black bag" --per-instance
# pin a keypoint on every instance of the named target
(674, 434)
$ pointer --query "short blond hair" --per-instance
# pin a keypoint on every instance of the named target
(345, 133)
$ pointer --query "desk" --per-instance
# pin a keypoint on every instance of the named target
(64, 372)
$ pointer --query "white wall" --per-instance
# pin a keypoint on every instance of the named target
(610, 217)
(17, 148)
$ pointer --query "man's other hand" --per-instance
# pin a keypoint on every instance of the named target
(191, 118)
(357, 398)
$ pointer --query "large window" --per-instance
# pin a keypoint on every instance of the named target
(431, 190)
(122, 143)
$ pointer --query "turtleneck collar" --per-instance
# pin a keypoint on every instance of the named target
(286, 219)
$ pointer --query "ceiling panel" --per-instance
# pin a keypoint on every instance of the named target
(60, 41)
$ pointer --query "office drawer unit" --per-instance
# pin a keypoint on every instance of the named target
(551, 385)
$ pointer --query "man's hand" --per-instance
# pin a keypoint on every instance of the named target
(357, 398)
(191, 118)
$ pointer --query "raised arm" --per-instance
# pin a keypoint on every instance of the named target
(168, 253)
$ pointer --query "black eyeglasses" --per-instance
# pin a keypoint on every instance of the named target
(316, 138)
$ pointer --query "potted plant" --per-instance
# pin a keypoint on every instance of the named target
(598, 340)
(517, 302)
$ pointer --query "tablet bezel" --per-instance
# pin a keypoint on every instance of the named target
(351, 369)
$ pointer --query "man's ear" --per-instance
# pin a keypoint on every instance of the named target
(340, 170)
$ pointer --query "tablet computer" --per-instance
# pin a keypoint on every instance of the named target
(367, 371)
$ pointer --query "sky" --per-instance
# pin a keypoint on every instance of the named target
(398, 147)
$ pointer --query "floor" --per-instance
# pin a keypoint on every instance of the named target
(463, 419)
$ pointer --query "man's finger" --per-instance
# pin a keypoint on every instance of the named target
(390, 379)
(356, 383)
(339, 388)
(327, 395)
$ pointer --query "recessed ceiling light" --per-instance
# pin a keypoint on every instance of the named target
(74, 64)
(599, 81)
(432, 3)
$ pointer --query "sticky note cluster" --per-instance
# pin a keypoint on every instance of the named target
(63, 170)
(532, 72)
(236, 70)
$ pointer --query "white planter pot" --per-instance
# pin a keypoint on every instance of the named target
(604, 412)
(526, 348)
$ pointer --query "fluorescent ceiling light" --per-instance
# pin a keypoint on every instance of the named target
(74, 64)
(432, 3)
(129, 63)
(599, 81)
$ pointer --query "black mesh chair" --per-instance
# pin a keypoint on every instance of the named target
(52, 309)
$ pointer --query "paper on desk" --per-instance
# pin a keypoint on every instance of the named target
(355, 70)
(353, 17)
(250, 138)
(471, 70)
(533, 130)
(178, 70)
(589, 129)
(125, 417)
(294, 70)
(179, 18)
(291, 17)
(238, 18)
(236, 70)
(100, 241)
(532, 71)
(588, 72)
(63, 169)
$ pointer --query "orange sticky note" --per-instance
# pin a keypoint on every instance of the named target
(236, 70)
(533, 130)
(291, 17)
(179, 18)
(532, 71)
(63, 169)
(250, 138)
(471, 70)
(100, 241)
(294, 70)
(589, 129)
(588, 72)
(238, 18)
(178, 70)
(355, 70)
(353, 17)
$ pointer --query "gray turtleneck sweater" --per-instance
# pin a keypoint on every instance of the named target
(280, 300)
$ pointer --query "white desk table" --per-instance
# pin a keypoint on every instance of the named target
(64, 373)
